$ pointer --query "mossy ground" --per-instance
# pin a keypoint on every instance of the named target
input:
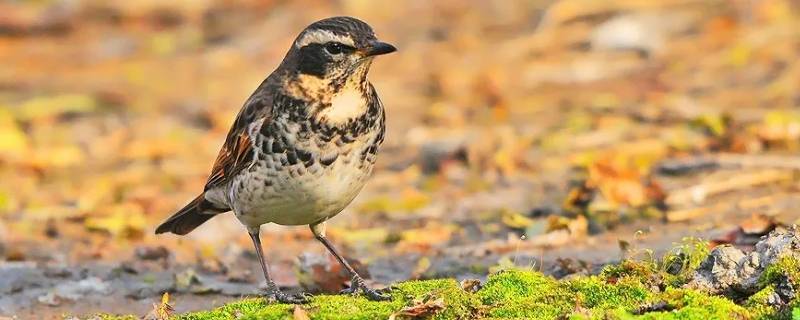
(629, 290)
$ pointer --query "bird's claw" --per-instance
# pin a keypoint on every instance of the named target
(281, 297)
(358, 284)
(349, 290)
(375, 295)
(386, 290)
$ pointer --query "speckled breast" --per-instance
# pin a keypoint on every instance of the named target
(302, 177)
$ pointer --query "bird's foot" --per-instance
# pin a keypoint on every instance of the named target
(279, 296)
(357, 284)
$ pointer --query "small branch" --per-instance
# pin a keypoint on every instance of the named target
(700, 192)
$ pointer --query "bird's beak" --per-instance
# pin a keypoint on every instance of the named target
(378, 48)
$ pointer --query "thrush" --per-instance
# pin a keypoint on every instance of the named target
(303, 144)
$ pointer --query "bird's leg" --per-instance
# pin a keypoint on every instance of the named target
(357, 283)
(273, 292)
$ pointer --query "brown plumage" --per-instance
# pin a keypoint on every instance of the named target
(303, 144)
(189, 217)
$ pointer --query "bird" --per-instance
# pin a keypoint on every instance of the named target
(302, 146)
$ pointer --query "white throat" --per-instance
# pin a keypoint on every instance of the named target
(347, 104)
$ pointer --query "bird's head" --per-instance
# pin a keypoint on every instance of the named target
(335, 52)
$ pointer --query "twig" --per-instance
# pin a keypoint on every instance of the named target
(758, 161)
(691, 213)
(698, 193)
(727, 160)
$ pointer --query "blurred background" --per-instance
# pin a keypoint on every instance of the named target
(558, 135)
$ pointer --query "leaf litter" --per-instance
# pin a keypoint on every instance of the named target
(554, 133)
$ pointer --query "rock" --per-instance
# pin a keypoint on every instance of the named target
(188, 281)
(720, 271)
(777, 244)
(57, 272)
(50, 299)
(433, 153)
(145, 286)
(471, 285)
(17, 276)
(564, 267)
(75, 290)
(225, 287)
(151, 253)
(784, 292)
(240, 275)
(730, 271)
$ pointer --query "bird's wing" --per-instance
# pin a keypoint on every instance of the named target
(237, 152)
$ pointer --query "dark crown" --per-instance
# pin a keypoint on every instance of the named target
(358, 30)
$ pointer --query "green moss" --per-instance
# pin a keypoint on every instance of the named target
(629, 290)
(531, 295)
(628, 268)
(673, 270)
(787, 266)
(511, 294)
(524, 294)
(594, 298)
(680, 262)
(458, 304)
(627, 294)
(238, 309)
(114, 317)
(645, 272)
(759, 306)
(530, 308)
(346, 307)
(694, 305)
(515, 284)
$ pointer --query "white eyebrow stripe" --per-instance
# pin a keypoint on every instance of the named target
(322, 36)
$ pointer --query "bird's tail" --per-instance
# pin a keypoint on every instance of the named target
(191, 216)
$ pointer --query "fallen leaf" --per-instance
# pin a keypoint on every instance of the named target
(125, 220)
(422, 239)
(322, 273)
(41, 107)
(13, 141)
(421, 308)
(299, 313)
(471, 285)
(758, 224)
(161, 311)
(515, 220)
(619, 182)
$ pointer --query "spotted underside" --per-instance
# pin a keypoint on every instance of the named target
(305, 142)
(304, 168)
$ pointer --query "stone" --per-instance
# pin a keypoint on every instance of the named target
(729, 271)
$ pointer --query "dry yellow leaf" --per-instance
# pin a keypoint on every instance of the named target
(126, 219)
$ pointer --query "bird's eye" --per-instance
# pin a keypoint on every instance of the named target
(337, 48)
